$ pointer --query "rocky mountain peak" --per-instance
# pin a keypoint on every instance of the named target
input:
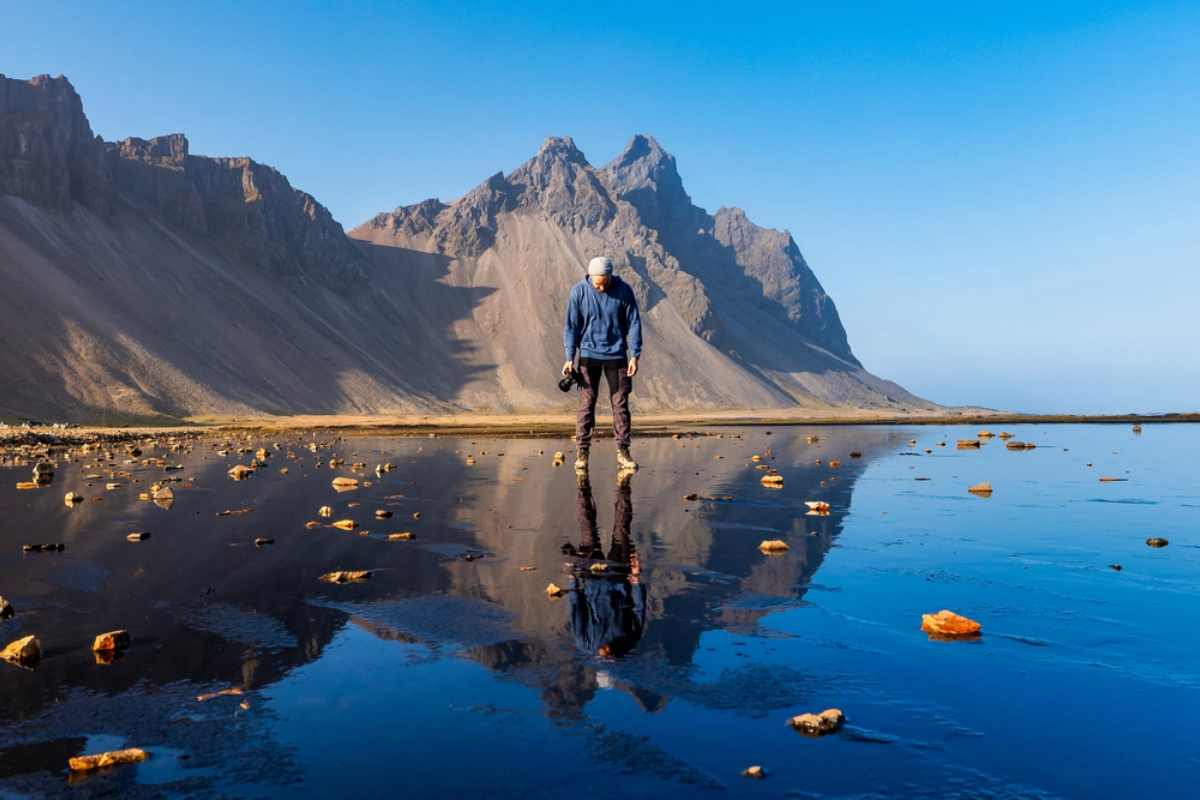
(169, 149)
(645, 175)
(560, 148)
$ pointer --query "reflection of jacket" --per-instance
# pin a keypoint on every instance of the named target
(608, 614)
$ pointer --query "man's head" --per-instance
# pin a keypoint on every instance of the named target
(599, 272)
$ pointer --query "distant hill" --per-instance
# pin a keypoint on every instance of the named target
(140, 279)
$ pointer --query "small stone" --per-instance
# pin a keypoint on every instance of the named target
(416, 515)
(72, 498)
(262, 541)
(110, 759)
(821, 724)
(947, 624)
(402, 536)
(325, 511)
(240, 472)
(772, 480)
(1115, 567)
(313, 524)
(691, 496)
(346, 576)
(820, 506)
(756, 772)
(6, 609)
(984, 488)
(1110, 478)
(111, 641)
(382, 513)
(527, 568)
(345, 524)
(342, 483)
(554, 591)
(138, 536)
(1157, 541)
(24, 651)
(773, 546)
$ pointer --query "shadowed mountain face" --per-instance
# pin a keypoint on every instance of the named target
(144, 280)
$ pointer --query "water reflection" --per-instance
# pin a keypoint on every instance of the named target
(608, 599)
(208, 610)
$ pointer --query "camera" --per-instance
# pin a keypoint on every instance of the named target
(568, 381)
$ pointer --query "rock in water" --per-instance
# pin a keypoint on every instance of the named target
(947, 624)
(756, 772)
(240, 472)
(110, 759)
(984, 489)
(773, 546)
(1157, 541)
(402, 536)
(6, 609)
(24, 651)
(138, 536)
(345, 524)
(341, 482)
(111, 641)
(72, 498)
(346, 576)
(826, 722)
(553, 590)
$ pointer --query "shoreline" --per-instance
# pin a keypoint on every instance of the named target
(543, 425)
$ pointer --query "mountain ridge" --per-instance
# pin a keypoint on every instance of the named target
(148, 280)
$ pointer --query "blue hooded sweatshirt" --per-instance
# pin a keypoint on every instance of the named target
(602, 325)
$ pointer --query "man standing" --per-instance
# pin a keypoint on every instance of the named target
(603, 326)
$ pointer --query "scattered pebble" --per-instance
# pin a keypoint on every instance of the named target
(821, 724)
(1157, 541)
(947, 624)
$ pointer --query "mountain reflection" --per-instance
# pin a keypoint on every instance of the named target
(204, 606)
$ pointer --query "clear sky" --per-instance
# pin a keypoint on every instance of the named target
(1002, 198)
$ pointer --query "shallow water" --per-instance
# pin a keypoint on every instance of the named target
(451, 673)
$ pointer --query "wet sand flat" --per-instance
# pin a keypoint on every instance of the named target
(674, 653)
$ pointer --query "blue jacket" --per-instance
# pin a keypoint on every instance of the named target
(602, 324)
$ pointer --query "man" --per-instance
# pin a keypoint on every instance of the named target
(603, 326)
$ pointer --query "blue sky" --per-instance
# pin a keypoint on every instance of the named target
(1001, 198)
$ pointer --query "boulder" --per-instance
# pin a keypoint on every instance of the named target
(947, 624)
(111, 641)
(24, 651)
(109, 759)
(821, 724)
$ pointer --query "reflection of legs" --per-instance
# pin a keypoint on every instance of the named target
(585, 417)
(619, 387)
(585, 511)
(622, 547)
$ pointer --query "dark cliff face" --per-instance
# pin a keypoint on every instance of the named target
(50, 158)
(48, 154)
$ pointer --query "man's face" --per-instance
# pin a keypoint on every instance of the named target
(600, 282)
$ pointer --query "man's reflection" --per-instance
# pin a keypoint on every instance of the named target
(608, 601)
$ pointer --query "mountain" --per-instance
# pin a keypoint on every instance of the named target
(734, 317)
(141, 280)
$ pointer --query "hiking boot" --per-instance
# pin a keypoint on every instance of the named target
(623, 459)
(581, 461)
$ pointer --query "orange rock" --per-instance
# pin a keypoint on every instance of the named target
(827, 721)
(402, 536)
(113, 640)
(984, 488)
(345, 524)
(24, 651)
(773, 546)
(100, 760)
(346, 575)
(948, 624)
(554, 591)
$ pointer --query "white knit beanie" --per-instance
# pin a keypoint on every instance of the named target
(600, 265)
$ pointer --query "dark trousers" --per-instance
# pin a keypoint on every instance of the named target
(619, 387)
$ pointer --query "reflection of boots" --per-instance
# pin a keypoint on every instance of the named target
(623, 459)
(581, 461)
(623, 476)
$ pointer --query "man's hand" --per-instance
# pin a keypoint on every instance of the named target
(633, 365)
(567, 367)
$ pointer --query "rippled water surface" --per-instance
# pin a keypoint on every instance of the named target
(452, 673)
